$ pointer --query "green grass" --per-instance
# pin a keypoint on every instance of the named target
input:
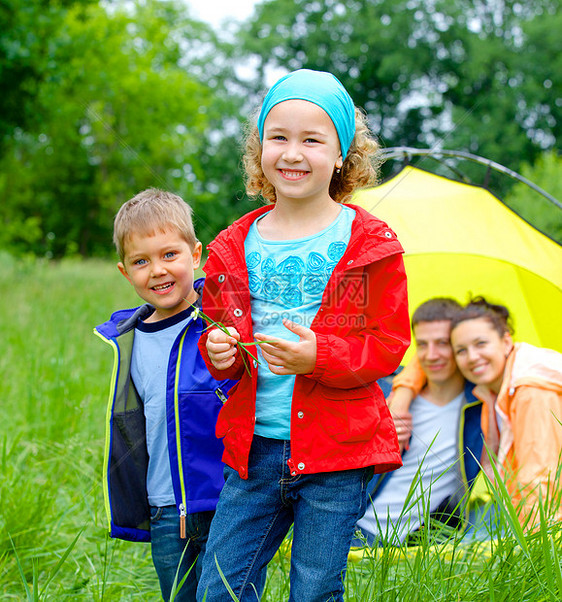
(54, 376)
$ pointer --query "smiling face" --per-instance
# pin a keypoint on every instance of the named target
(434, 351)
(160, 267)
(300, 151)
(481, 352)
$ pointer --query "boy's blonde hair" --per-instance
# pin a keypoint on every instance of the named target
(360, 167)
(152, 210)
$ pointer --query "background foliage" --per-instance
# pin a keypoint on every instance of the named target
(101, 99)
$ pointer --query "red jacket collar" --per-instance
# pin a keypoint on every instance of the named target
(371, 238)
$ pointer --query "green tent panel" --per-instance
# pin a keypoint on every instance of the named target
(461, 241)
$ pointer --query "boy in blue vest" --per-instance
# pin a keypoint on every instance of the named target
(162, 466)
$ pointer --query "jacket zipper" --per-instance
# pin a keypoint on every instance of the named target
(107, 446)
(464, 478)
(182, 522)
(183, 503)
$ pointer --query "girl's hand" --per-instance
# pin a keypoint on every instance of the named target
(289, 357)
(221, 347)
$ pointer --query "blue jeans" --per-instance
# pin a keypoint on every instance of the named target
(167, 548)
(254, 515)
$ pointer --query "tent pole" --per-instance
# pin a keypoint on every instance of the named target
(398, 151)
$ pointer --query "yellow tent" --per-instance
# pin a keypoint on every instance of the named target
(461, 241)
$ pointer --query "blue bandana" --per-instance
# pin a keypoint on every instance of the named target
(322, 89)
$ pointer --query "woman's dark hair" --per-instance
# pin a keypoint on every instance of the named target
(479, 307)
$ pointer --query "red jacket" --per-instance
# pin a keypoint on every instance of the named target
(339, 418)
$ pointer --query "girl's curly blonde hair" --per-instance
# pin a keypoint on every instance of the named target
(360, 167)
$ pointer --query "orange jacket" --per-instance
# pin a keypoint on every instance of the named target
(530, 406)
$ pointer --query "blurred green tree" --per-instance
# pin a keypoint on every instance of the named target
(474, 76)
(102, 99)
(26, 34)
(134, 97)
(532, 206)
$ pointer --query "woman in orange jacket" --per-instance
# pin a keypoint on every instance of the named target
(521, 387)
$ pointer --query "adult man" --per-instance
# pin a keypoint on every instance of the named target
(441, 461)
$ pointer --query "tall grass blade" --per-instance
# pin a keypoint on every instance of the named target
(22, 573)
(491, 587)
(226, 584)
(175, 586)
(503, 500)
(557, 567)
(35, 566)
(551, 563)
(62, 559)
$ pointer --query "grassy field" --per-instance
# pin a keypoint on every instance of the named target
(54, 377)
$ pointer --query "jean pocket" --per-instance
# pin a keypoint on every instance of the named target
(155, 514)
(202, 524)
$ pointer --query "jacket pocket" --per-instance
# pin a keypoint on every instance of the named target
(349, 415)
(198, 413)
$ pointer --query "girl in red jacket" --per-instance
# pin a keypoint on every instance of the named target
(320, 285)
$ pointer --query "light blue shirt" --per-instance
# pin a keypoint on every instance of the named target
(149, 368)
(287, 279)
(433, 452)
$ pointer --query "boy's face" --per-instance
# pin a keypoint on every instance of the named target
(160, 267)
